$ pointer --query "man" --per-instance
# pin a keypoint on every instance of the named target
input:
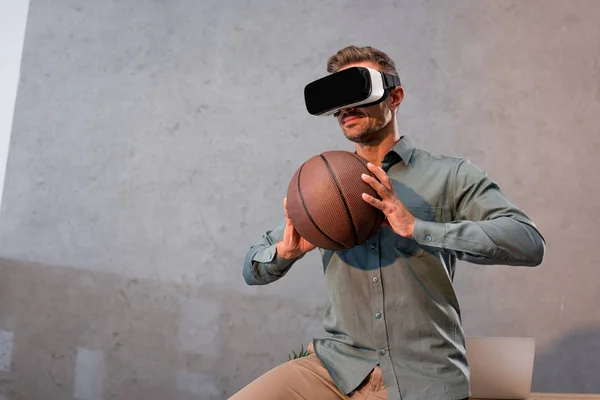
(394, 319)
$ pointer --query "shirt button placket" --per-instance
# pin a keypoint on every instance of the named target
(377, 293)
(374, 259)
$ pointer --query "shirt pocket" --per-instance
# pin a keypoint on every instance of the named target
(426, 213)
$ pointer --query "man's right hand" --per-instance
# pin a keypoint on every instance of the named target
(292, 245)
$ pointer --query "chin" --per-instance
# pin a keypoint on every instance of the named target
(355, 130)
(358, 137)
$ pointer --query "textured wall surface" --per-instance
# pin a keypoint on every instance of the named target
(153, 142)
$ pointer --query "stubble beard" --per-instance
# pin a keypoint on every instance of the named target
(366, 136)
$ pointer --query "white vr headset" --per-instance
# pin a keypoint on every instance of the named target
(352, 87)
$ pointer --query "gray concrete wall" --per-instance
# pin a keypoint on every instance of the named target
(153, 143)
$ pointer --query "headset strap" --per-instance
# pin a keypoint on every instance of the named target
(390, 81)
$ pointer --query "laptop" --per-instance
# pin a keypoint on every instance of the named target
(501, 367)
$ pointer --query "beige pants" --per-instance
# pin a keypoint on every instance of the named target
(305, 378)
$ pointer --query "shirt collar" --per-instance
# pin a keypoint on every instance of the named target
(403, 148)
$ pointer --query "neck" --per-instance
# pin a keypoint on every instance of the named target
(375, 152)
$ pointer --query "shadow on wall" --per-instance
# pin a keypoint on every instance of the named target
(67, 333)
(572, 365)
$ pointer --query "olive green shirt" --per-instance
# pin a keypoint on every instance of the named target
(392, 301)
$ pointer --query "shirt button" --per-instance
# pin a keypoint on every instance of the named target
(375, 279)
(382, 351)
(428, 238)
(378, 315)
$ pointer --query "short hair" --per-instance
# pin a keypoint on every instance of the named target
(354, 54)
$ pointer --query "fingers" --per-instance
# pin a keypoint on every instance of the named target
(374, 202)
(379, 188)
(380, 174)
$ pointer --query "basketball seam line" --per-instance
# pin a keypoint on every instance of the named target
(308, 214)
(362, 163)
(343, 199)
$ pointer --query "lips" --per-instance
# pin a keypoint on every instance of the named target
(350, 117)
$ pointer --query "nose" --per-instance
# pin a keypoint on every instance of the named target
(344, 110)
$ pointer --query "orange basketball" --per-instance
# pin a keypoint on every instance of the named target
(325, 204)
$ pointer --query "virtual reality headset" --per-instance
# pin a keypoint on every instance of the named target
(351, 87)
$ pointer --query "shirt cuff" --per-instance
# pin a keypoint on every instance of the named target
(429, 233)
(272, 261)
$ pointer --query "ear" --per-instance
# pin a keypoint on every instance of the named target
(396, 97)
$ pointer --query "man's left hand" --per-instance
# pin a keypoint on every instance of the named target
(397, 216)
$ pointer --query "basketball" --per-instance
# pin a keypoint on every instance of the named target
(325, 204)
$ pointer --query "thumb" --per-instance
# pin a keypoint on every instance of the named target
(287, 217)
